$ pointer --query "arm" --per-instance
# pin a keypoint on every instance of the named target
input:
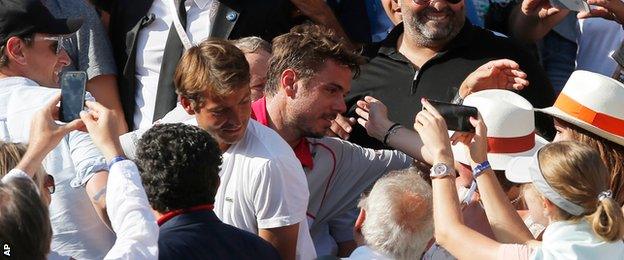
(450, 232)
(374, 118)
(284, 239)
(319, 12)
(506, 224)
(127, 204)
(534, 19)
(104, 89)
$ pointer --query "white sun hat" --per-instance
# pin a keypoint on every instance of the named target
(510, 125)
(593, 102)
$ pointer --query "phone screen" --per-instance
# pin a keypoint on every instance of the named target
(457, 117)
(72, 95)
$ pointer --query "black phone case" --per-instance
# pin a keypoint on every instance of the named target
(457, 117)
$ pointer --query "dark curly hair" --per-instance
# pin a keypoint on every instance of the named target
(305, 49)
(179, 166)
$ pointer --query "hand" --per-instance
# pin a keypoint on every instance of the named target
(45, 134)
(433, 132)
(607, 9)
(540, 8)
(476, 144)
(373, 117)
(341, 127)
(101, 123)
(496, 74)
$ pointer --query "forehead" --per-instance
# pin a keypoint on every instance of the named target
(333, 73)
(226, 100)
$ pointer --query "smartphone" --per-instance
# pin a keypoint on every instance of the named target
(573, 5)
(457, 117)
(73, 85)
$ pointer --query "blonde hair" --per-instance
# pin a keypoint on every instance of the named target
(612, 156)
(212, 69)
(576, 172)
(10, 155)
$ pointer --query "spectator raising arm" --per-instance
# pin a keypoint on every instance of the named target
(128, 209)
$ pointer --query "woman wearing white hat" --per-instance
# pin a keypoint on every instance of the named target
(590, 109)
(585, 222)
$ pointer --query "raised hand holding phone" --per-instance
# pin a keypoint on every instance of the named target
(73, 85)
(432, 129)
(457, 117)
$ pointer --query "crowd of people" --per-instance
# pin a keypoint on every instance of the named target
(303, 129)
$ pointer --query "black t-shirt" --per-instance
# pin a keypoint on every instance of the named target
(390, 77)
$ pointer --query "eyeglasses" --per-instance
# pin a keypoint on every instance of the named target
(48, 184)
(424, 2)
(57, 46)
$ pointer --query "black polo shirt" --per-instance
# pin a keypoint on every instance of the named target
(390, 77)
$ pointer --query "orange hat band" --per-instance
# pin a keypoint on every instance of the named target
(605, 122)
(511, 144)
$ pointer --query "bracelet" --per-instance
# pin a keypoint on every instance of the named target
(392, 130)
(479, 168)
(116, 159)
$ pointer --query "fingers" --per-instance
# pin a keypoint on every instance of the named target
(341, 126)
(362, 104)
(504, 64)
(430, 108)
(362, 122)
(480, 128)
(95, 106)
(363, 114)
(77, 124)
(370, 99)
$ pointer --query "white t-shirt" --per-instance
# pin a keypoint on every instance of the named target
(151, 46)
(263, 186)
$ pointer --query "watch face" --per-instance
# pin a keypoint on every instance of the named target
(440, 169)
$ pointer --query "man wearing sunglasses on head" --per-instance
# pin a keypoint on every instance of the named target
(31, 59)
(429, 55)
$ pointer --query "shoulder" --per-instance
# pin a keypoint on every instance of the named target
(263, 142)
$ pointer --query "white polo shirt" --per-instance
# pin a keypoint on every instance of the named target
(263, 186)
(262, 183)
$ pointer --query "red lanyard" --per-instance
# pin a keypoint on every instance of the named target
(171, 214)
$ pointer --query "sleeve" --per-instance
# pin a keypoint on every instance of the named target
(280, 194)
(86, 157)
(514, 252)
(14, 173)
(130, 214)
(357, 170)
(341, 227)
(95, 55)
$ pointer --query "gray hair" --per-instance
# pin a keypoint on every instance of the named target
(252, 44)
(399, 218)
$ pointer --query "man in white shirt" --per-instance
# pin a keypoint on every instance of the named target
(263, 188)
(31, 56)
(310, 72)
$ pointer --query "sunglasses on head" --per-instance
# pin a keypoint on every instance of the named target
(424, 2)
(48, 183)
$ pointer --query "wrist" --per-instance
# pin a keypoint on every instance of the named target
(443, 157)
(480, 168)
(115, 159)
(112, 151)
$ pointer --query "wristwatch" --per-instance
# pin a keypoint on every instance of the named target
(441, 170)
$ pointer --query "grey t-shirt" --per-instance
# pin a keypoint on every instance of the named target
(89, 48)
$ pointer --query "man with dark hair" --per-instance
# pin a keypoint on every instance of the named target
(31, 58)
(179, 166)
(309, 74)
(263, 187)
(428, 56)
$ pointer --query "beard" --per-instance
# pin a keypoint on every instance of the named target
(432, 32)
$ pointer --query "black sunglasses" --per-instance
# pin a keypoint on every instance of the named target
(424, 2)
